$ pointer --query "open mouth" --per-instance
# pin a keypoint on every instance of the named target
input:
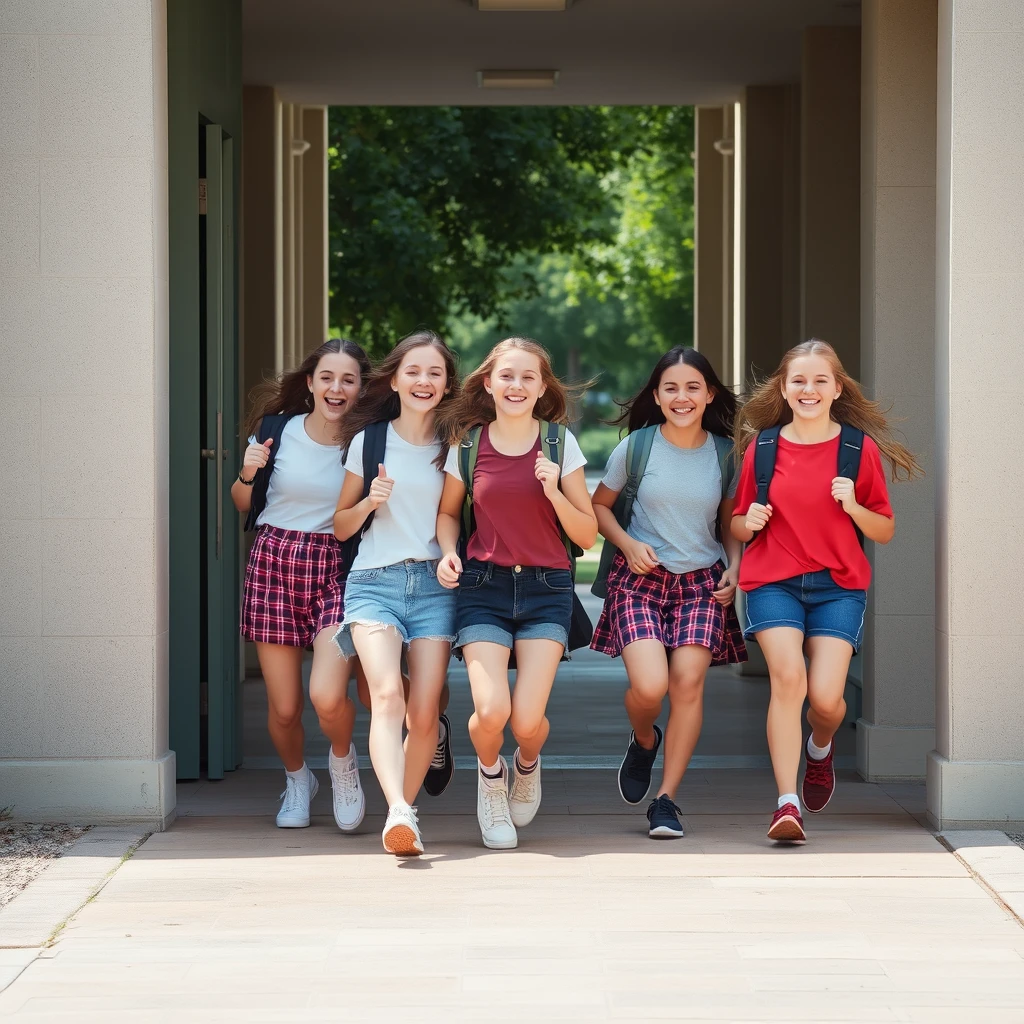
(423, 395)
(683, 412)
(335, 403)
(810, 402)
(516, 399)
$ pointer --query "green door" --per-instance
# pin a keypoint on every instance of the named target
(220, 725)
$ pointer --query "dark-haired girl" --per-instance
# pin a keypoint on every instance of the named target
(805, 574)
(515, 588)
(393, 599)
(295, 578)
(669, 607)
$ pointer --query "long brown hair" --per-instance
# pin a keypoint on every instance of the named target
(475, 406)
(767, 407)
(378, 401)
(288, 393)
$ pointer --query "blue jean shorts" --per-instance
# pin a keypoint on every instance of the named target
(406, 596)
(500, 604)
(813, 603)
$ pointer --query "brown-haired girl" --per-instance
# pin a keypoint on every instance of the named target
(804, 572)
(515, 588)
(295, 578)
(393, 599)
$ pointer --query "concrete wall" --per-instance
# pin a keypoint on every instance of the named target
(84, 411)
(896, 729)
(830, 190)
(976, 772)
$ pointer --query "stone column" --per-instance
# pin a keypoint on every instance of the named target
(896, 729)
(315, 323)
(83, 343)
(771, 156)
(976, 772)
(830, 190)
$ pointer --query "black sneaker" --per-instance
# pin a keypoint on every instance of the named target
(635, 770)
(442, 767)
(664, 818)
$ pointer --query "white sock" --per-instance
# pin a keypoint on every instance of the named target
(493, 770)
(818, 753)
(441, 731)
(301, 775)
(348, 760)
(789, 798)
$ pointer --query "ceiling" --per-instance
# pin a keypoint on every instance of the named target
(427, 52)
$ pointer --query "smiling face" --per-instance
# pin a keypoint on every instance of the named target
(810, 387)
(421, 379)
(335, 385)
(516, 382)
(683, 395)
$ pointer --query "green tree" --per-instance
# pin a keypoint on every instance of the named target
(430, 206)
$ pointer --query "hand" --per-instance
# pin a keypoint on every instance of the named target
(725, 593)
(546, 472)
(640, 558)
(449, 569)
(255, 458)
(843, 492)
(758, 516)
(380, 489)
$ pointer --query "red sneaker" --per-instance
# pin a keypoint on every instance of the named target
(819, 781)
(787, 826)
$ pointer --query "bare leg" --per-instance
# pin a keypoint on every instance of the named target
(536, 664)
(282, 672)
(647, 668)
(829, 659)
(688, 667)
(487, 665)
(328, 692)
(783, 650)
(428, 665)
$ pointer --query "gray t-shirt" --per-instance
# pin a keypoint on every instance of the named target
(676, 506)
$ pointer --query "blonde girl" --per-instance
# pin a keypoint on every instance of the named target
(515, 588)
(804, 572)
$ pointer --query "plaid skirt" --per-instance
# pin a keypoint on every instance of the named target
(294, 587)
(674, 609)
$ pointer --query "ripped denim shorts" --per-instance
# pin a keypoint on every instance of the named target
(405, 596)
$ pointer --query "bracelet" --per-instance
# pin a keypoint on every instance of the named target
(244, 482)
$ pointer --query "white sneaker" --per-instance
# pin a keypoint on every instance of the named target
(492, 811)
(297, 795)
(349, 801)
(402, 832)
(524, 797)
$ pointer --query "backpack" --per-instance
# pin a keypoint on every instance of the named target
(638, 452)
(270, 428)
(552, 436)
(851, 445)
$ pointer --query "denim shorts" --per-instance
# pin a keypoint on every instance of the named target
(813, 603)
(501, 604)
(405, 595)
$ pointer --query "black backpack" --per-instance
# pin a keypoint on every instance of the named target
(851, 445)
(270, 427)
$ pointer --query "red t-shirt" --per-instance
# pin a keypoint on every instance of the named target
(515, 522)
(808, 530)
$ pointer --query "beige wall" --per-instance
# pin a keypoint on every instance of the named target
(771, 295)
(830, 180)
(976, 773)
(314, 228)
(896, 730)
(84, 410)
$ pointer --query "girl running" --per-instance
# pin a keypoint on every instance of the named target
(393, 599)
(294, 582)
(669, 609)
(811, 484)
(515, 588)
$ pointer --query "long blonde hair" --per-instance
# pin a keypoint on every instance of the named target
(474, 406)
(767, 407)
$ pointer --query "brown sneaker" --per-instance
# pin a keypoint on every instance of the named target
(787, 826)
(819, 782)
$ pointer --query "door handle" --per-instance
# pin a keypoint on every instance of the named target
(211, 454)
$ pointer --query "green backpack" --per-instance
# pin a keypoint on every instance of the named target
(638, 451)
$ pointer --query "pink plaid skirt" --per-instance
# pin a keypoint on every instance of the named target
(675, 610)
(294, 587)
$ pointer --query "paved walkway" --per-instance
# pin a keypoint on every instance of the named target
(226, 918)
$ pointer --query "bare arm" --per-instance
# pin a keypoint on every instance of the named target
(449, 519)
(640, 557)
(732, 544)
(352, 508)
(881, 529)
(574, 510)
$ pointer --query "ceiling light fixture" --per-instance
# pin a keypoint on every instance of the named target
(522, 5)
(517, 79)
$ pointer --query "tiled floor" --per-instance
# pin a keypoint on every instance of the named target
(226, 918)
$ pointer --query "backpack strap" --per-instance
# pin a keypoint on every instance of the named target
(851, 447)
(726, 463)
(553, 435)
(638, 453)
(469, 449)
(375, 440)
(767, 447)
(270, 428)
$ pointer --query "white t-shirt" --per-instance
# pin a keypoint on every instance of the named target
(571, 461)
(305, 484)
(405, 526)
